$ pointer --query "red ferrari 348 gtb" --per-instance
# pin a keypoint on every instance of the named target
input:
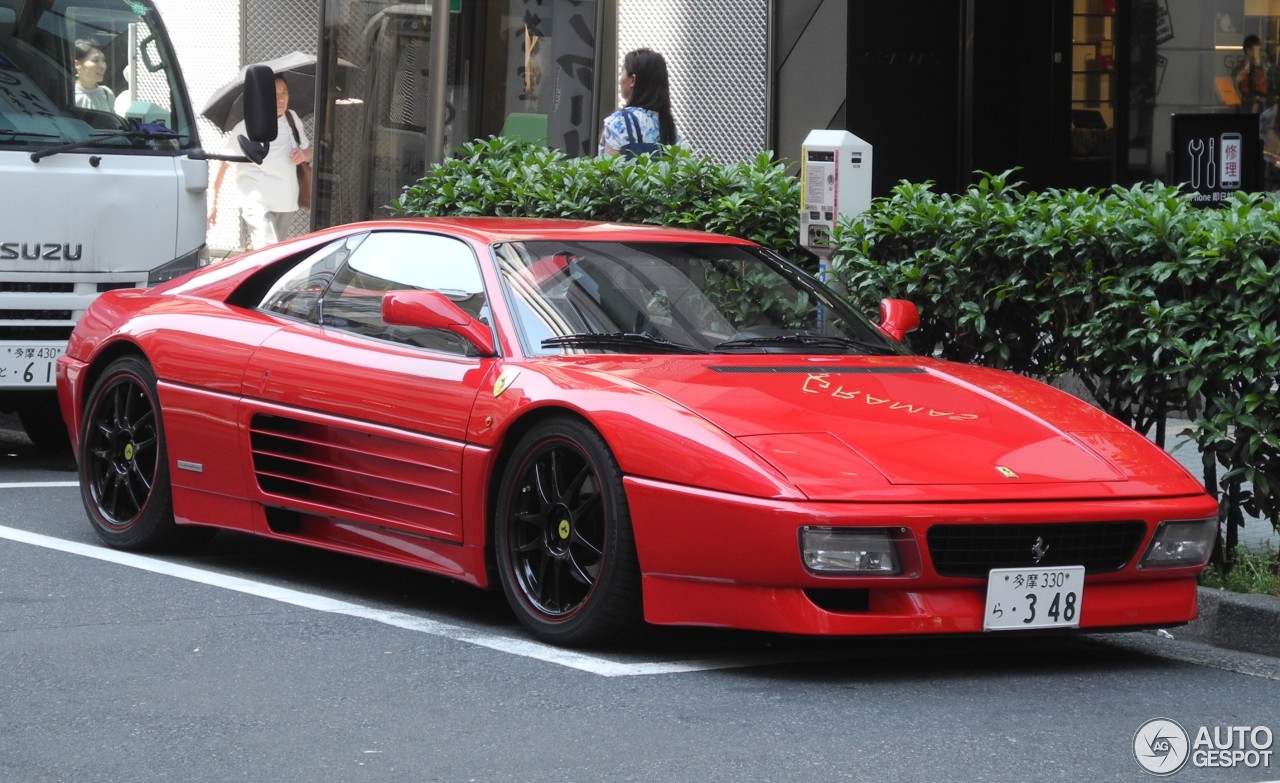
(619, 424)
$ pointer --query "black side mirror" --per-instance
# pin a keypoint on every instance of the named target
(260, 103)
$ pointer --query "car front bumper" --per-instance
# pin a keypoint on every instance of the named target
(722, 560)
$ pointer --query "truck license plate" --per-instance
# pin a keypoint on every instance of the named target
(1026, 598)
(28, 365)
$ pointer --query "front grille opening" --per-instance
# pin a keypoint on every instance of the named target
(973, 550)
(841, 601)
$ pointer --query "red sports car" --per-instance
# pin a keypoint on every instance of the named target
(619, 424)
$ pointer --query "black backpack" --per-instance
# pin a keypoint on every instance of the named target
(636, 145)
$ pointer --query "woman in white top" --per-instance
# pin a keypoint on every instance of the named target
(268, 191)
(91, 67)
(646, 89)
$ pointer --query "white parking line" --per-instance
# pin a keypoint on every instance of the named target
(39, 484)
(506, 644)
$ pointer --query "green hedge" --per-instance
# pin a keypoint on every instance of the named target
(1159, 308)
(757, 199)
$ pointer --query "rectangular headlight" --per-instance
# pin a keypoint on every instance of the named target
(1183, 542)
(853, 551)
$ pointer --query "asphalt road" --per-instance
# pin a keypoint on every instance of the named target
(256, 661)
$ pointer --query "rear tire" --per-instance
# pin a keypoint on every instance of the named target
(124, 468)
(563, 542)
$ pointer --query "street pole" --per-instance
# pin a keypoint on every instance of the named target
(438, 81)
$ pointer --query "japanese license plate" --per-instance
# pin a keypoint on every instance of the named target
(1025, 598)
(28, 365)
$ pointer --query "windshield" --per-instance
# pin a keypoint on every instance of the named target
(608, 297)
(98, 72)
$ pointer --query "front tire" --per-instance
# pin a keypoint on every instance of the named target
(564, 546)
(124, 470)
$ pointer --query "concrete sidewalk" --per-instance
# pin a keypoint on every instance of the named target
(1235, 621)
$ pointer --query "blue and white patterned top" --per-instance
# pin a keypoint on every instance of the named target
(615, 129)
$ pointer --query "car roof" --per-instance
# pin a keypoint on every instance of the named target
(490, 230)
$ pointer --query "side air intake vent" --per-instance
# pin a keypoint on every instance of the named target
(378, 479)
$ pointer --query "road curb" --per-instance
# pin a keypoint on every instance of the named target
(1235, 621)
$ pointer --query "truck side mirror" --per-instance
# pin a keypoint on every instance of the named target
(259, 112)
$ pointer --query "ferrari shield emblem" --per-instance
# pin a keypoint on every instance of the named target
(504, 380)
(1007, 473)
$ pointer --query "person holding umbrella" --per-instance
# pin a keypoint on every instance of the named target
(269, 191)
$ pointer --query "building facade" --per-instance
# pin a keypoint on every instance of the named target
(1072, 93)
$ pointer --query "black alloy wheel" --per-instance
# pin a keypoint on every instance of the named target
(565, 552)
(124, 475)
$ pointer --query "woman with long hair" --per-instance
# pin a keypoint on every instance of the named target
(645, 119)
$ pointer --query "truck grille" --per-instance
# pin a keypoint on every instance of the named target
(12, 287)
(35, 333)
(973, 550)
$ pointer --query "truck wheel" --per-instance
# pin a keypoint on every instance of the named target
(42, 421)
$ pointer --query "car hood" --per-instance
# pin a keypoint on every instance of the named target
(846, 427)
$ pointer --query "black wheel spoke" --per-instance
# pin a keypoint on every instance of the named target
(582, 541)
(553, 474)
(138, 486)
(534, 519)
(540, 581)
(575, 487)
(558, 601)
(543, 480)
(587, 505)
(112, 497)
(583, 574)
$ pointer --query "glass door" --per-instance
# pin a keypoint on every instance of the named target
(523, 68)
(1093, 90)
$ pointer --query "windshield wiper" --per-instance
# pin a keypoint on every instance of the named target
(96, 141)
(619, 340)
(26, 134)
(808, 339)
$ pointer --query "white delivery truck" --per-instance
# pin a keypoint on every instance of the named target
(102, 179)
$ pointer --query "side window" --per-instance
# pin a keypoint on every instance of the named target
(297, 294)
(399, 261)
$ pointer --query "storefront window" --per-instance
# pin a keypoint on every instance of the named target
(1189, 61)
(1093, 88)
(522, 68)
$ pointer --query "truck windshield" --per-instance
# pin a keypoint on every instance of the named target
(95, 72)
